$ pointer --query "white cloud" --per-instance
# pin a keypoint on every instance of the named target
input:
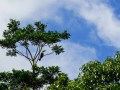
(8, 63)
(21, 10)
(30, 10)
(27, 10)
(95, 12)
(102, 16)
(70, 61)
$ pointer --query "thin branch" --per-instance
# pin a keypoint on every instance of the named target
(26, 53)
(44, 55)
(24, 56)
(48, 53)
(20, 53)
(40, 49)
(26, 47)
(29, 52)
(36, 52)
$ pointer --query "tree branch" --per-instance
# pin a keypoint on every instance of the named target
(27, 49)
(24, 56)
(48, 53)
(29, 52)
(44, 55)
(40, 49)
(36, 52)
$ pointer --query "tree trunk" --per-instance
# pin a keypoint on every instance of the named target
(33, 69)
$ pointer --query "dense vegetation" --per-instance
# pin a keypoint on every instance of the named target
(94, 75)
(22, 41)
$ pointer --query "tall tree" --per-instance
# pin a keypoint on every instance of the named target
(23, 80)
(31, 42)
(101, 75)
(94, 75)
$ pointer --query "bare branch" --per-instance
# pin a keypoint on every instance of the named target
(27, 49)
(26, 53)
(48, 53)
(20, 53)
(36, 52)
(44, 55)
(40, 49)
(29, 52)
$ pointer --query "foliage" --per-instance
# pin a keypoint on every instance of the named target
(99, 75)
(20, 79)
(30, 42)
(95, 75)
(60, 83)
(28, 36)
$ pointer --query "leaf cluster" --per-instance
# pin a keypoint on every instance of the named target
(34, 35)
(23, 80)
(95, 75)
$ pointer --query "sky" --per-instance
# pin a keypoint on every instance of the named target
(94, 26)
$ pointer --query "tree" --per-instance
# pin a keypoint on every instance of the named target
(95, 75)
(19, 41)
(61, 82)
(23, 80)
(101, 75)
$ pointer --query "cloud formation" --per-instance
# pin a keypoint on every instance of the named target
(8, 63)
(27, 10)
(75, 55)
(24, 10)
(102, 16)
(96, 12)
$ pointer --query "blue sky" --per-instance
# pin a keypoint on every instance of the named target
(94, 27)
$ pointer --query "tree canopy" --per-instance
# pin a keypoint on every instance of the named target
(30, 42)
(35, 35)
(94, 75)
(23, 80)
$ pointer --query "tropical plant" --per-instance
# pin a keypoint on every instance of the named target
(31, 43)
